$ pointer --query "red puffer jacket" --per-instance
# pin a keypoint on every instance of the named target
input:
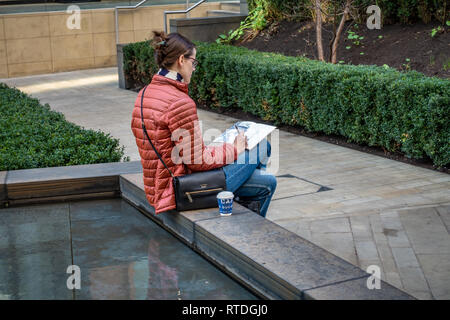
(170, 114)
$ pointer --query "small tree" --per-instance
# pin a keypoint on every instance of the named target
(319, 11)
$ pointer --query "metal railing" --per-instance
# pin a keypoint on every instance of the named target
(116, 12)
(180, 11)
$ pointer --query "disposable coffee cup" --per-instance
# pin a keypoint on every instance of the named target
(225, 201)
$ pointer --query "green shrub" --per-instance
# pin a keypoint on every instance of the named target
(392, 11)
(139, 63)
(283, 9)
(406, 11)
(33, 136)
(377, 106)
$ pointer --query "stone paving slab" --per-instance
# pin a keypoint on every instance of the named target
(334, 291)
(364, 185)
(444, 214)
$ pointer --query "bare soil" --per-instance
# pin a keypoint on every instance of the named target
(391, 45)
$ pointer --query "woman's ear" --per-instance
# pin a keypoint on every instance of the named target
(180, 60)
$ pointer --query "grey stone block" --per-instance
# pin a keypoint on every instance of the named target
(270, 256)
(67, 181)
(3, 194)
(180, 223)
(205, 29)
(244, 7)
(73, 172)
(356, 289)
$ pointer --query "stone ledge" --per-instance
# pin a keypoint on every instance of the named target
(182, 22)
(180, 223)
(63, 183)
(272, 261)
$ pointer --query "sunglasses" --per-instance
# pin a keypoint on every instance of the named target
(194, 61)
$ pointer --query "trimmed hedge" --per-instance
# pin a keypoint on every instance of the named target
(33, 136)
(139, 63)
(392, 11)
(407, 11)
(406, 112)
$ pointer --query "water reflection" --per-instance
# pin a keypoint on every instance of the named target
(162, 279)
(120, 252)
(149, 279)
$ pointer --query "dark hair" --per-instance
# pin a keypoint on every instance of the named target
(169, 47)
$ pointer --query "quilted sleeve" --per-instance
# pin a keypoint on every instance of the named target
(189, 146)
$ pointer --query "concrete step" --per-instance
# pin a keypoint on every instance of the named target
(230, 6)
(222, 13)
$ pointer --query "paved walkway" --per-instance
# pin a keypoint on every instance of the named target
(364, 208)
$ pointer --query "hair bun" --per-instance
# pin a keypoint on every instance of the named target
(168, 48)
(159, 40)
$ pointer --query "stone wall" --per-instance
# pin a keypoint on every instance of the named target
(36, 43)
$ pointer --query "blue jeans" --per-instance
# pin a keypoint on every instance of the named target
(246, 179)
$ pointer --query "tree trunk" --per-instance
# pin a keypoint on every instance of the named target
(330, 45)
(339, 31)
(319, 31)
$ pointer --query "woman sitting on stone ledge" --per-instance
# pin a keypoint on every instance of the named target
(171, 119)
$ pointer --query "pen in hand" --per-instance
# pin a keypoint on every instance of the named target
(239, 132)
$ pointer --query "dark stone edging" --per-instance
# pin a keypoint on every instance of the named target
(63, 183)
(272, 261)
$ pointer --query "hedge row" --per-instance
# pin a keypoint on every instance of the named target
(139, 64)
(406, 112)
(407, 11)
(33, 136)
(392, 11)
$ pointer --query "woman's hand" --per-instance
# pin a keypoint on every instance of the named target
(240, 142)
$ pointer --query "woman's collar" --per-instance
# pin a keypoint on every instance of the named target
(159, 79)
(170, 74)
